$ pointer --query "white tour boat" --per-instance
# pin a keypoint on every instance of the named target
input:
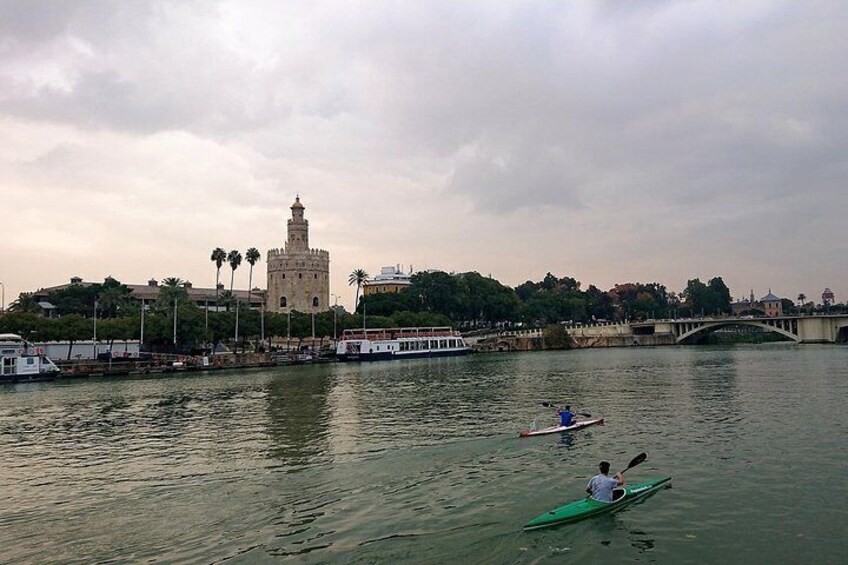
(21, 362)
(399, 343)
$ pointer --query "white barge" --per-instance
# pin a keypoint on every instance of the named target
(20, 361)
(399, 343)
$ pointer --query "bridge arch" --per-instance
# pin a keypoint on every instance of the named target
(842, 332)
(690, 332)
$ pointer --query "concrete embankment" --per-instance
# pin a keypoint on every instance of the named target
(183, 364)
(537, 342)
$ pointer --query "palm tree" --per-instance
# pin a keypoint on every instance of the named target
(112, 299)
(172, 289)
(358, 277)
(218, 257)
(25, 302)
(234, 259)
(227, 300)
(802, 298)
(252, 256)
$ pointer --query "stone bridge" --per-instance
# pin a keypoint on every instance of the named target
(800, 328)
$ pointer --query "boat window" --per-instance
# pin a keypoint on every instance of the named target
(452, 342)
(443, 343)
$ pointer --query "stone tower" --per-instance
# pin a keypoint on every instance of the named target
(298, 277)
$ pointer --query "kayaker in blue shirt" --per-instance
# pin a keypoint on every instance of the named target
(601, 485)
(566, 418)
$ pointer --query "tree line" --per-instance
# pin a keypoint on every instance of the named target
(432, 299)
(472, 299)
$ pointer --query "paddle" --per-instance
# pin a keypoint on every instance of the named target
(635, 461)
(552, 405)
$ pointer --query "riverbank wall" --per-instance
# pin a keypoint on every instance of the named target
(537, 343)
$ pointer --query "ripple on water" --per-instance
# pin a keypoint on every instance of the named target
(419, 461)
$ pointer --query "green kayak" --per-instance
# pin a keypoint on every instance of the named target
(586, 507)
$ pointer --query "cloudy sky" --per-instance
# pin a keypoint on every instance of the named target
(609, 141)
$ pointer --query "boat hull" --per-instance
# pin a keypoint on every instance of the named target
(29, 378)
(387, 355)
(588, 507)
(560, 429)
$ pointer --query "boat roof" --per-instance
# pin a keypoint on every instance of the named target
(401, 331)
(10, 337)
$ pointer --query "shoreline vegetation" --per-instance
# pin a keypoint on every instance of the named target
(466, 301)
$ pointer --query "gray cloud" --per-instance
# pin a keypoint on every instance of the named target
(660, 122)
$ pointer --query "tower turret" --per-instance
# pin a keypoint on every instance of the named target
(298, 228)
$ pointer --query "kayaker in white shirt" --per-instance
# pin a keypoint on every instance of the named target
(601, 485)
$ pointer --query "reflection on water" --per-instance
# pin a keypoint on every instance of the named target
(298, 418)
(419, 461)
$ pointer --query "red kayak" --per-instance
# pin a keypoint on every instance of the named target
(559, 429)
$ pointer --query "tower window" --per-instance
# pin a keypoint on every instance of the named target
(284, 275)
(316, 275)
(283, 302)
(315, 302)
(300, 275)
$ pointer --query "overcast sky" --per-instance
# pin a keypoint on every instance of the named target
(609, 141)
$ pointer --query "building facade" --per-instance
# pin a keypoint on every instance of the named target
(206, 298)
(390, 279)
(769, 304)
(298, 276)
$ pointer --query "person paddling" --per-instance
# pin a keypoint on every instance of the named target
(566, 417)
(601, 485)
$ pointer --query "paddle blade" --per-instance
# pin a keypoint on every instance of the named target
(585, 414)
(636, 460)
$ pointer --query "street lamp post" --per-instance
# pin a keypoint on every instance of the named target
(141, 338)
(94, 341)
(175, 324)
(237, 316)
(2, 297)
(288, 329)
(335, 314)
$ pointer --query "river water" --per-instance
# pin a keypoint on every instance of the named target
(419, 462)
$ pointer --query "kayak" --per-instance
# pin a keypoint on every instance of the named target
(586, 507)
(557, 429)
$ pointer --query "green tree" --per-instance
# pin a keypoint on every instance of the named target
(556, 337)
(172, 290)
(720, 297)
(73, 328)
(25, 302)
(358, 277)
(218, 257)
(436, 292)
(75, 299)
(113, 298)
(234, 259)
(252, 256)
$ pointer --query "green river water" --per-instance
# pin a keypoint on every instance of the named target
(419, 461)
